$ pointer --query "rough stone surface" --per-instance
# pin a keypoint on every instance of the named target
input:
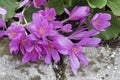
(104, 64)
(11, 67)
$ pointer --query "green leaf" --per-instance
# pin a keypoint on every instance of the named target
(114, 5)
(97, 3)
(10, 6)
(28, 13)
(59, 5)
(113, 31)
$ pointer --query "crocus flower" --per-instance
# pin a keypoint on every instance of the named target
(76, 52)
(76, 55)
(40, 27)
(50, 14)
(67, 28)
(17, 43)
(38, 3)
(51, 52)
(78, 12)
(100, 21)
(33, 50)
(17, 36)
(14, 29)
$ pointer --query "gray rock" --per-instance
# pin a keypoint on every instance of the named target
(104, 64)
(11, 67)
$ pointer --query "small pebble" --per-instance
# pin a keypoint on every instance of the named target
(108, 67)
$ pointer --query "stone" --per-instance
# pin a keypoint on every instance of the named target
(104, 64)
(101, 65)
(11, 67)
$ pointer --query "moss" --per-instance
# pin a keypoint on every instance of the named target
(36, 78)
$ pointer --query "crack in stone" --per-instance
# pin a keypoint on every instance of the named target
(59, 69)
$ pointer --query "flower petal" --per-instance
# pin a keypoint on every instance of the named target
(26, 58)
(55, 55)
(48, 58)
(82, 58)
(74, 61)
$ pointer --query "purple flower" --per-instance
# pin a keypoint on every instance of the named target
(78, 12)
(76, 55)
(24, 3)
(83, 33)
(2, 33)
(14, 29)
(40, 27)
(100, 21)
(82, 21)
(3, 11)
(33, 50)
(38, 3)
(57, 24)
(17, 43)
(67, 28)
(2, 23)
(51, 52)
(90, 42)
(76, 52)
(48, 13)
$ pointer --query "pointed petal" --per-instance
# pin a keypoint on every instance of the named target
(74, 61)
(65, 42)
(74, 70)
(55, 55)
(67, 11)
(14, 46)
(26, 58)
(2, 11)
(48, 58)
(90, 42)
(67, 28)
(82, 58)
(34, 56)
(31, 28)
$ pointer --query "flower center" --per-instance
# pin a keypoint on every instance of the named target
(97, 22)
(75, 50)
(50, 46)
(23, 41)
(42, 31)
(12, 34)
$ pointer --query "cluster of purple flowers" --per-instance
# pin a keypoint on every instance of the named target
(46, 37)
